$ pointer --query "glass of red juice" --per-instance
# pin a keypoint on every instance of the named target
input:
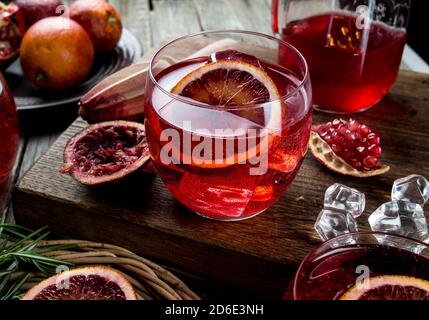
(9, 140)
(364, 266)
(353, 48)
(227, 124)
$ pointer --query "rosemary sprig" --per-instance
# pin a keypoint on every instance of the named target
(19, 252)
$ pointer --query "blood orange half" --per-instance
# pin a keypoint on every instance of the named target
(389, 287)
(88, 283)
(240, 87)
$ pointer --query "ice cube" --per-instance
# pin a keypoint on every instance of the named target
(413, 188)
(400, 217)
(334, 222)
(341, 197)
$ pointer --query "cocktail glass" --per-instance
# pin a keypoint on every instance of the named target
(227, 122)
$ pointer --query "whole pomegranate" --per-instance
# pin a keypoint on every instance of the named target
(100, 19)
(56, 53)
(35, 10)
(11, 31)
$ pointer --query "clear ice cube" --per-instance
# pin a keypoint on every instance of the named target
(400, 217)
(334, 222)
(341, 197)
(413, 188)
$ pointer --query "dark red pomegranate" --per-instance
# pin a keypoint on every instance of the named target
(11, 31)
(348, 147)
(106, 152)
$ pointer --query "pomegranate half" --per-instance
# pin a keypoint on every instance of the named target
(348, 147)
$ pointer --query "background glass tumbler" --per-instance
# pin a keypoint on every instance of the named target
(9, 140)
(353, 47)
(341, 264)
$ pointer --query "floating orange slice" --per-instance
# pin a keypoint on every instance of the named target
(238, 86)
(389, 287)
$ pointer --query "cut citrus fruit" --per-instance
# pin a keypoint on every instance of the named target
(228, 83)
(238, 86)
(87, 283)
(106, 152)
(389, 287)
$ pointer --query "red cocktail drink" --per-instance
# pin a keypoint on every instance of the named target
(227, 130)
(351, 68)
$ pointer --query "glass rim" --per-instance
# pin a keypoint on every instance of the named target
(186, 100)
(345, 235)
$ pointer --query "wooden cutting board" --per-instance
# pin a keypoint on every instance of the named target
(258, 255)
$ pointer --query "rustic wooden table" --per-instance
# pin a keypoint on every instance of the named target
(151, 22)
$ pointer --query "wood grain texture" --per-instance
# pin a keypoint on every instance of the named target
(260, 253)
(172, 19)
(217, 15)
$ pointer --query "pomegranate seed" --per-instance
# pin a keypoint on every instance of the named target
(374, 150)
(354, 142)
(373, 138)
(336, 122)
(360, 152)
(337, 149)
(370, 162)
(364, 129)
(353, 125)
(347, 154)
(355, 163)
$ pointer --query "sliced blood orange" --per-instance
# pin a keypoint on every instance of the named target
(390, 287)
(88, 283)
(228, 83)
(238, 86)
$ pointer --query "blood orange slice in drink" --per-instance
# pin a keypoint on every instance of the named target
(240, 88)
(87, 283)
(389, 287)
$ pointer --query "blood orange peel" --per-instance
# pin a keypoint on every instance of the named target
(389, 287)
(87, 283)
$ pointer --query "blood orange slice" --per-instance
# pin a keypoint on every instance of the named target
(228, 83)
(389, 287)
(238, 86)
(88, 283)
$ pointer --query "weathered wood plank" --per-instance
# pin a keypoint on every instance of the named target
(172, 19)
(254, 15)
(35, 147)
(217, 15)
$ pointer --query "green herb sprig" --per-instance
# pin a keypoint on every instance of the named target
(19, 253)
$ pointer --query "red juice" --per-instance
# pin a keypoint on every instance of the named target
(330, 275)
(9, 139)
(223, 188)
(351, 69)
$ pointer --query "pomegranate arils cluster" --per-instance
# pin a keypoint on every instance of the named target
(352, 141)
